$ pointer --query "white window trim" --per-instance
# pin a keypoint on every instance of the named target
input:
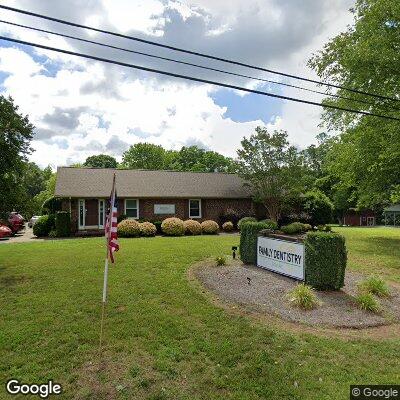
(137, 206)
(199, 216)
(79, 214)
(101, 226)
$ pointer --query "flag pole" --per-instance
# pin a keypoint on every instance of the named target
(103, 306)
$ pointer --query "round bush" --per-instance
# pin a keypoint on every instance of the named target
(244, 220)
(173, 227)
(210, 227)
(192, 227)
(128, 228)
(147, 229)
(271, 224)
(44, 225)
(227, 226)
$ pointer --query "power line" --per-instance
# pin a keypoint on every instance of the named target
(61, 21)
(194, 79)
(190, 64)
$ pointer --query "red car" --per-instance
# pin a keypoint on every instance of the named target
(16, 222)
(5, 231)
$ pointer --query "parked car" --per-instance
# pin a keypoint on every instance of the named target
(5, 231)
(16, 222)
(33, 220)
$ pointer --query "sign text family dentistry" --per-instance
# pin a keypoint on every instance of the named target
(281, 256)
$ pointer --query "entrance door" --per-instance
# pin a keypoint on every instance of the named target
(101, 213)
(81, 214)
(370, 221)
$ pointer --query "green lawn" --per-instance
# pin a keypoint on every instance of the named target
(164, 338)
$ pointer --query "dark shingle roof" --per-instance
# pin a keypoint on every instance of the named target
(96, 182)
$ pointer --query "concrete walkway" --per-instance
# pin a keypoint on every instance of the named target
(22, 237)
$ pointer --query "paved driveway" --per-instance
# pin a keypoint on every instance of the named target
(22, 237)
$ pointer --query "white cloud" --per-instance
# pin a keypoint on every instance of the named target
(87, 107)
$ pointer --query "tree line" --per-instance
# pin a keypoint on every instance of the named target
(356, 164)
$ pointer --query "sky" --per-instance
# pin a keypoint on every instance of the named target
(82, 107)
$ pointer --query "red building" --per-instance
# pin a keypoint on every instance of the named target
(359, 218)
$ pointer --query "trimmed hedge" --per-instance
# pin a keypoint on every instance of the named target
(326, 258)
(209, 227)
(293, 228)
(147, 229)
(44, 225)
(248, 241)
(271, 224)
(245, 220)
(129, 228)
(192, 227)
(227, 226)
(173, 227)
(63, 224)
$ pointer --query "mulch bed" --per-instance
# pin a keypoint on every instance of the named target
(264, 291)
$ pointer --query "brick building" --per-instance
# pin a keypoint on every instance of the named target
(149, 195)
(359, 218)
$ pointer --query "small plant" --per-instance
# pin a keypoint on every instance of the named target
(227, 226)
(293, 228)
(53, 234)
(367, 301)
(271, 224)
(374, 285)
(221, 260)
(303, 296)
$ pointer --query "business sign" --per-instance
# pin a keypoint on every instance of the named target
(164, 208)
(281, 256)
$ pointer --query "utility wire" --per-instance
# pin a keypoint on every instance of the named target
(61, 21)
(191, 64)
(194, 79)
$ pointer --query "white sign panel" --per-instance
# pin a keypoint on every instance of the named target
(281, 256)
(164, 208)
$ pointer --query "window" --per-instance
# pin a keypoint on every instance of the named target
(195, 208)
(132, 208)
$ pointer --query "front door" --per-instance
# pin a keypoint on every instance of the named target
(81, 213)
(101, 213)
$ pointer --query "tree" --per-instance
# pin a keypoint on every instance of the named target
(100, 161)
(16, 133)
(366, 57)
(271, 167)
(144, 156)
(318, 206)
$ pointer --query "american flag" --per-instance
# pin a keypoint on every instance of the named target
(111, 224)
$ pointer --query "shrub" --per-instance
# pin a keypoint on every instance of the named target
(307, 227)
(326, 258)
(318, 206)
(121, 217)
(271, 224)
(129, 228)
(245, 220)
(157, 224)
(192, 227)
(367, 301)
(248, 241)
(228, 226)
(221, 260)
(147, 229)
(44, 225)
(209, 227)
(51, 206)
(293, 228)
(53, 234)
(173, 227)
(303, 296)
(374, 285)
(230, 215)
(324, 228)
(63, 224)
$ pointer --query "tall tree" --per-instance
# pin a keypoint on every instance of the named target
(144, 156)
(101, 161)
(16, 133)
(365, 57)
(272, 167)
